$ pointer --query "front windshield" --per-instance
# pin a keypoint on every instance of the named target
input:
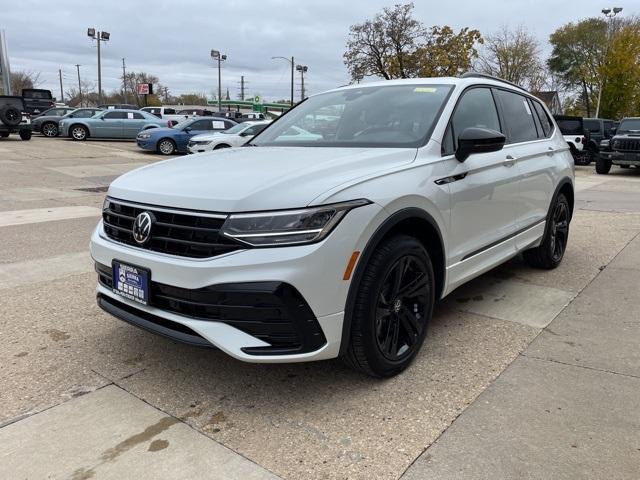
(183, 124)
(236, 128)
(381, 116)
(629, 125)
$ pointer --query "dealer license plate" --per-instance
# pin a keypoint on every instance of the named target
(131, 282)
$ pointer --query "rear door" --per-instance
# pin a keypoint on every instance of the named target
(528, 131)
(109, 125)
(133, 123)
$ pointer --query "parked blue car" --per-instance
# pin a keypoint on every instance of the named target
(171, 140)
(112, 123)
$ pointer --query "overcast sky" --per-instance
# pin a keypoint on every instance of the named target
(172, 39)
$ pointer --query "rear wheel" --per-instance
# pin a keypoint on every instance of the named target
(603, 165)
(25, 134)
(393, 307)
(49, 129)
(78, 132)
(166, 146)
(554, 243)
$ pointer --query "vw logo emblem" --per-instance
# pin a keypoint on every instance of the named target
(142, 227)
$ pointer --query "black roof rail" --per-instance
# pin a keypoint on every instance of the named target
(490, 77)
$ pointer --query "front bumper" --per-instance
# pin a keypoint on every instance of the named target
(622, 158)
(198, 148)
(146, 144)
(314, 271)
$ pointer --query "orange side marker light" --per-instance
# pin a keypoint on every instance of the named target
(352, 263)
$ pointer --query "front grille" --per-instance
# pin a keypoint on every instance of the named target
(628, 145)
(274, 312)
(186, 234)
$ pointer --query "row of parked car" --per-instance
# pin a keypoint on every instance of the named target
(603, 141)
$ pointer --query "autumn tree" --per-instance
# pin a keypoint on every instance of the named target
(576, 58)
(513, 55)
(396, 45)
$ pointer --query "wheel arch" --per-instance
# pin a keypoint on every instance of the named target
(411, 221)
(565, 186)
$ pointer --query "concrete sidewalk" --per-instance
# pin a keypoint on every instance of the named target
(568, 405)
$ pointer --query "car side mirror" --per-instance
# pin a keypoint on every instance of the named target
(478, 140)
(187, 129)
(613, 130)
(244, 134)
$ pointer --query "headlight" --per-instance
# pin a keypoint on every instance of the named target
(616, 144)
(143, 136)
(287, 227)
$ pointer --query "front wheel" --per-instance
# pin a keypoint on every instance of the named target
(603, 165)
(166, 146)
(222, 145)
(554, 243)
(25, 134)
(393, 306)
(78, 132)
(4, 134)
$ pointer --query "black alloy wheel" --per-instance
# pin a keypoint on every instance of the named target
(559, 231)
(402, 305)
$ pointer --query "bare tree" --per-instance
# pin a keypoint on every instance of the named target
(24, 79)
(513, 55)
(382, 46)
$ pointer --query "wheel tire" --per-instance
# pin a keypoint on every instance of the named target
(624, 166)
(4, 134)
(25, 134)
(10, 116)
(549, 253)
(603, 165)
(222, 145)
(49, 129)
(78, 132)
(375, 317)
(166, 146)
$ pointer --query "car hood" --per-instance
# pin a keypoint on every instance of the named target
(210, 136)
(160, 131)
(253, 178)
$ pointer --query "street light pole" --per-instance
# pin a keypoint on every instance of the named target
(302, 69)
(79, 84)
(609, 13)
(61, 90)
(292, 62)
(216, 55)
(124, 81)
(99, 37)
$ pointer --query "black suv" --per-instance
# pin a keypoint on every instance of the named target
(12, 111)
(599, 129)
(37, 100)
(623, 148)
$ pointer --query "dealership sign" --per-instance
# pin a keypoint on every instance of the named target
(144, 88)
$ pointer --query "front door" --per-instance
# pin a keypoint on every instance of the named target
(109, 125)
(483, 190)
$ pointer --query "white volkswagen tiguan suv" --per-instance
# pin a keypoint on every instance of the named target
(338, 244)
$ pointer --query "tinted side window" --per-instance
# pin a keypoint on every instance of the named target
(476, 108)
(201, 125)
(518, 117)
(83, 114)
(169, 111)
(138, 116)
(547, 126)
(113, 115)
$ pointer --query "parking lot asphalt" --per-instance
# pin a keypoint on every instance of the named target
(513, 361)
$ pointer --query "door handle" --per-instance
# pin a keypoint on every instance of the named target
(509, 161)
(551, 151)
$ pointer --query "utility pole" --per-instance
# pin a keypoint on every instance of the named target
(124, 81)
(166, 94)
(216, 55)
(61, 91)
(79, 84)
(609, 13)
(302, 69)
(292, 63)
(100, 37)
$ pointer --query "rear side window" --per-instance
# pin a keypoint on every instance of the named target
(138, 116)
(476, 108)
(547, 126)
(169, 111)
(518, 117)
(115, 115)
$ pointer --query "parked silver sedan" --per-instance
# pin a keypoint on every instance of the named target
(112, 123)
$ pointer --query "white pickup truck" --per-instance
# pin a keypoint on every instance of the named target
(165, 113)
